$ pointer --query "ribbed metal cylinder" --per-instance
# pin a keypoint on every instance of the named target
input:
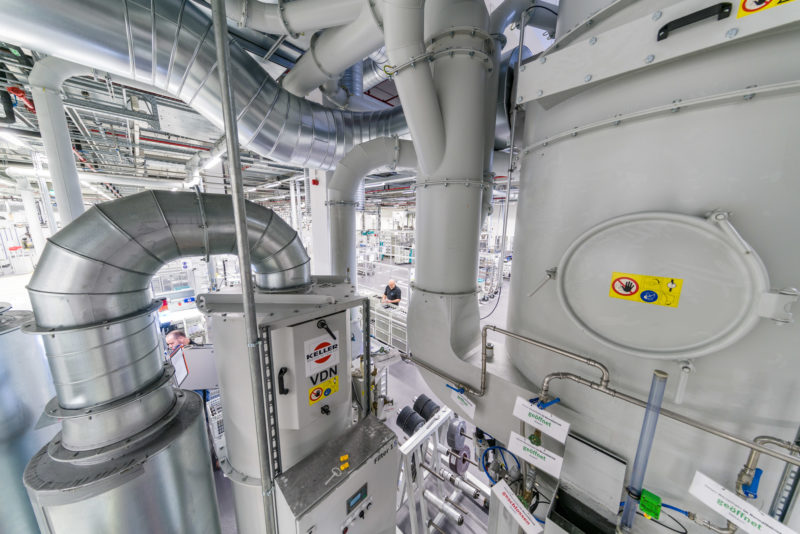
(158, 482)
(169, 44)
(101, 363)
(99, 268)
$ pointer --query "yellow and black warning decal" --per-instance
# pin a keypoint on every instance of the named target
(323, 384)
(750, 7)
(647, 289)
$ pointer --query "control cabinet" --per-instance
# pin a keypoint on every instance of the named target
(360, 499)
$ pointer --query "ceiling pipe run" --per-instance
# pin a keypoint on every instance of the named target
(46, 78)
(292, 18)
(24, 171)
(335, 49)
(171, 47)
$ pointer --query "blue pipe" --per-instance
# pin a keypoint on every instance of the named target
(646, 436)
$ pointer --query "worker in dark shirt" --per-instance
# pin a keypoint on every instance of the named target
(391, 295)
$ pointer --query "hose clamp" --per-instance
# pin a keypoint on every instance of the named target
(471, 31)
(371, 4)
(446, 182)
(284, 22)
(313, 50)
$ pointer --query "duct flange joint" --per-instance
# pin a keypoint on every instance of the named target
(285, 23)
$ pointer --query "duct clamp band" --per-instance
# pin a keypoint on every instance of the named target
(284, 22)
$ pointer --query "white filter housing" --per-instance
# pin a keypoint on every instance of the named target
(670, 158)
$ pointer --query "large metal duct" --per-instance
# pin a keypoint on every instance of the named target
(343, 190)
(130, 441)
(169, 44)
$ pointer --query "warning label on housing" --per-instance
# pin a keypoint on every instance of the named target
(647, 289)
(750, 7)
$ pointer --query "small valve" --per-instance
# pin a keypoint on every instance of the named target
(751, 489)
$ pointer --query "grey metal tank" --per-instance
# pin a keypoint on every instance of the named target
(25, 388)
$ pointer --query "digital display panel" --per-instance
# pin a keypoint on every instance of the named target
(357, 498)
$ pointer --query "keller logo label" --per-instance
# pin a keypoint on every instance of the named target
(321, 353)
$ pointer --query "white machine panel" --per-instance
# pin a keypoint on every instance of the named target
(312, 500)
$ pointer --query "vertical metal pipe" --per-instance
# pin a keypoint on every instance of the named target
(652, 410)
(240, 219)
(365, 317)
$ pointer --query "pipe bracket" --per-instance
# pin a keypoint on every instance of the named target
(471, 31)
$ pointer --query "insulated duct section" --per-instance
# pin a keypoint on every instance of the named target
(343, 190)
(130, 441)
(168, 44)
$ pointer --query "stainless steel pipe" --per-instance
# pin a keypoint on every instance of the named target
(257, 377)
(666, 413)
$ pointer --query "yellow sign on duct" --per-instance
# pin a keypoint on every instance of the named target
(657, 290)
(751, 7)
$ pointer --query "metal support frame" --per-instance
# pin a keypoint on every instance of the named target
(413, 451)
(265, 445)
(367, 357)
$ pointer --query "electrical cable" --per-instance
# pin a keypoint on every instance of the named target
(483, 460)
(680, 511)
(683, 530)
(496, 302)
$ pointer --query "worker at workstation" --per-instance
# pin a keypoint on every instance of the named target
(392, 294)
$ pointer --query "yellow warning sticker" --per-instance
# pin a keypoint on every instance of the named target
(750, 7)
(658, 290)
(322, 390)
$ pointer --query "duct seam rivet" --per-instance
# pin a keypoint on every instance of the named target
(649, 59)
(539, 92)
(522, 68)
(730, 34)
(593, 40)
(543, 60)
(588, 78)
(519, 99)
(657, 15)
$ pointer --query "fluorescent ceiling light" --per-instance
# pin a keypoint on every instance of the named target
(11, 138)
(210, 162)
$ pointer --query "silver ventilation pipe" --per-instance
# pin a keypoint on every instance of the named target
(373, 68)
(119, 411)
(168, 44)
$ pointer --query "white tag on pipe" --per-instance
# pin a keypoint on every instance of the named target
(733, 508)
(541, 420)
(464, 403)
(538, 457)
(515, 507)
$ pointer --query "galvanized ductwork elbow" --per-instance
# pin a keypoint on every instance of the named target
(115, 397)
(99, 267)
